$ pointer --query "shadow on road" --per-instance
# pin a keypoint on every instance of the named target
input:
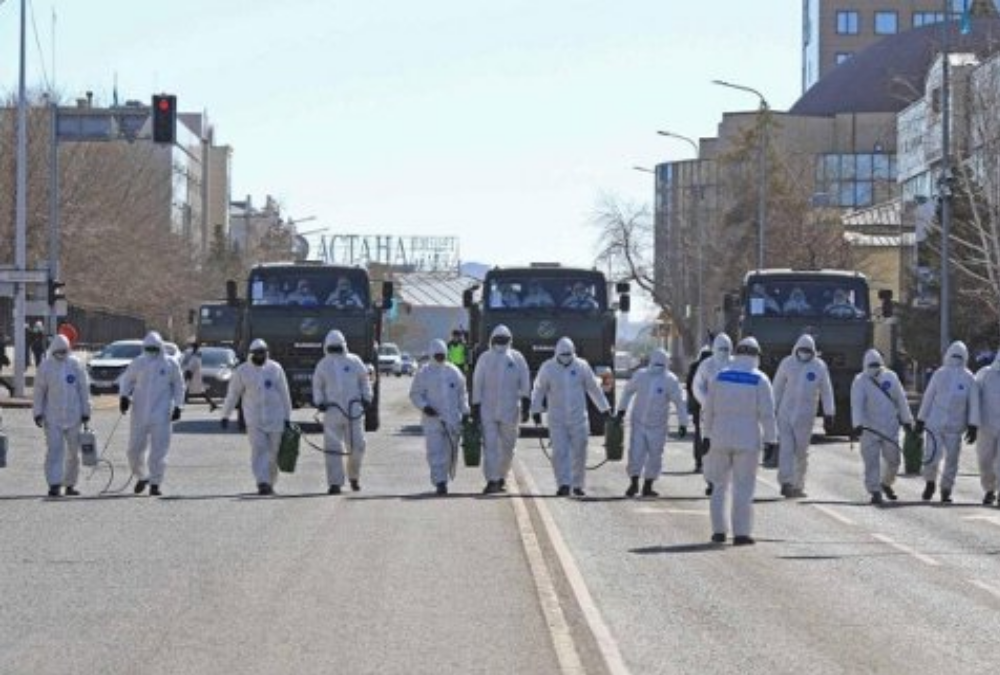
(678, 548)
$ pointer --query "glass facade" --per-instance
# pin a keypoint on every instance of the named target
(855, 180)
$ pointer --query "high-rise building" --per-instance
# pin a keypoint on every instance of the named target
(834, 30)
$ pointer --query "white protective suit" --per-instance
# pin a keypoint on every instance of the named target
(62, 400)
(561, 388)
(653, 389)
(878, 402)
(267, 405)
(191, 363)
(988, 440)
(949, 406)
(722, 356)
(341, 382)
(737, 418)
(499, 382)
(441, 386)
(155, 385)
(798, 385)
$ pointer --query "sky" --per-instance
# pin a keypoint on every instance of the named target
(503, 123)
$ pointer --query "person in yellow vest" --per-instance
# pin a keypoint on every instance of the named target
(458, 351)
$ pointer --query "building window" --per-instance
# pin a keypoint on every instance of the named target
(848, 23)
(886, 23)
(843, 56)
(927, 18)
(853, 181)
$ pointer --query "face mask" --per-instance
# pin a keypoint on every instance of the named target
(804, 355)
(957, 360)
(564, 359)
(258, 358)
(657, 366)
(874, 368)
(439, 358)
(59, 355)
(501, 341)
(152, 351)
(335, 349)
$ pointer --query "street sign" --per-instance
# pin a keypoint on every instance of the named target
(24, 276)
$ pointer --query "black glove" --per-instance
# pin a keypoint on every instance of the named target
(322, 407)
(366, 405)
(224, 422)
(466, 419)
(176, 415)
(39, 421)
(430, 411)
(476, 408)
(706, 445)
(537, 418)
(919, 427)
(288, 424)
(525, 409)
(620, 415)
(123, 404)
(84, 419)
(608, 415)
(856, 432)
(908, 427)
(828, 420)
(682, 432)
(771, 449)
(971, 433)
(188, 374)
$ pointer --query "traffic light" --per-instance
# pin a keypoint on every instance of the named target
(56, 291)
(164, 118)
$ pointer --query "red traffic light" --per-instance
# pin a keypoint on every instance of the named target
(163, 104)
(164, 118)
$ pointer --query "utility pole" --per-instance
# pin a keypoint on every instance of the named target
(21, 218)
(944, 182)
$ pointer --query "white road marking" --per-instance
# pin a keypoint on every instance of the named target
(926, 559)
(555, 619)
(606, 644)
(833, 514)
(646, 510)
(993, 520)
(989, 588)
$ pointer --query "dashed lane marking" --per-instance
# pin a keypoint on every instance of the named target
(833, 514)
(993, 520)
(989, 588)
(926, 559)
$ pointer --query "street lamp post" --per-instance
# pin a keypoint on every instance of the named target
(761, 166)
(696, 201)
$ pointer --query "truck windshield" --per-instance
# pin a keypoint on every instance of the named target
(834, 298)
(338, 289)
(571, 293)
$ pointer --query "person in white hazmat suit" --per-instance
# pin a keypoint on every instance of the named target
(501, 382)
(738, 417)
(438, 391)
(878, 406)
(61, 404)
(651, 390)
(722, 357)
(153, 387)
(561, 388)
(950, 406)
(261, 385)
(342, 391)
(801, 380)
(988, 438)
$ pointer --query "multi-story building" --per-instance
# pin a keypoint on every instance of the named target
(835, 30)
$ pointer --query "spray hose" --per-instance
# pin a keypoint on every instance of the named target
(104, 461)
(925, 460)
(350, 428)
(545, 451)
(453, 463)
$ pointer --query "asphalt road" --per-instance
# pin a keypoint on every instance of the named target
(212, 578)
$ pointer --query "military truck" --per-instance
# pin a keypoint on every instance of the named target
(216, 324)
(778, 305)
(543, 303)
(293, 305)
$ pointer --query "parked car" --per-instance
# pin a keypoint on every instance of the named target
(389, 358)
(217, 364)
(407, 365)
(106, 367)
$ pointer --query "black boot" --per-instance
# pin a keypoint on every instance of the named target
(264, 489)
(877, 498)
(71, 491)
(333, 490)
(140, 486)
(55, 490)
(647, 489)
(889, 493)
(928, 491)
(563, 491)
(154, 491)
(708, 489)
(990, 498)
(502, 484)
(633, 487)
(355, 485)
(441, 488)
(945, 496)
